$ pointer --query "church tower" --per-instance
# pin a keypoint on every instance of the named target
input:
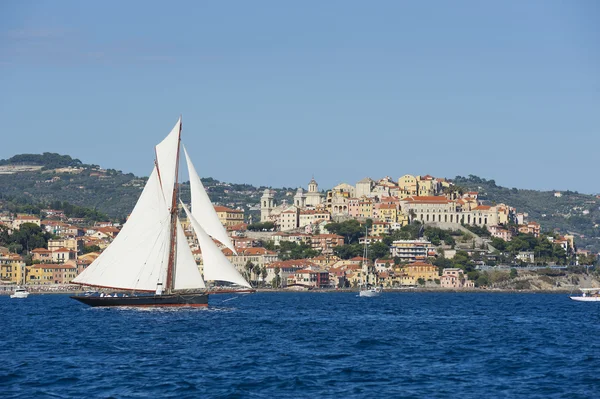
(313, 197)
(313, 187)
(300, 199)
(267, 203)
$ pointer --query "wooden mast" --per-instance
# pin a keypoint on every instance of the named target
(174, 210)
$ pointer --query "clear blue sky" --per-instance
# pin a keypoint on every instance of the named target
(273, 92)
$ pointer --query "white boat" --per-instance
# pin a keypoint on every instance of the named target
(376, 291)
(365, 289)
(20, 293)
(587, 295)
(150, 262)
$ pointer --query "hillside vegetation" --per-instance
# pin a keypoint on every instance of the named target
(109, 191)
(572, 212)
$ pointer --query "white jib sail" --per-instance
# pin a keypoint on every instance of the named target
(137, 259)
(203, 209)
(187, 275)
(166, 157)
(216, 265)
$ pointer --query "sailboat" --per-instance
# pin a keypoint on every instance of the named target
(365, 289)
(587, 295)
(150, 262)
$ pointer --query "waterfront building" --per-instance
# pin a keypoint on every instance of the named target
(258, 256)
(455, 278)
(420, 270)
(46, 274)
(286, 269)
(411, 250)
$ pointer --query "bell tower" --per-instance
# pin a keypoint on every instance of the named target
(267, 203)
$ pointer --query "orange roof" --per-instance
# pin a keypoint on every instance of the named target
(41, 251)
(219, 208)
(53, 266)
(62, 249)
(482, 208)
(428, 199)
(418, 263)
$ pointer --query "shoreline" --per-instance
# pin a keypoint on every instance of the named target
(335, 291)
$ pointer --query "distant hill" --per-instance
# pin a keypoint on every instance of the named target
(63, 178)
(52, 177)
(567, 212)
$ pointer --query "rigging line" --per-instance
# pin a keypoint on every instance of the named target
(138, 276)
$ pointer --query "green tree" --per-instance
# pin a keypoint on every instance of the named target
(378, 250)
(91, 248)
(351, 230)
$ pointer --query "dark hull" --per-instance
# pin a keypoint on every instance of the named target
(190, 300)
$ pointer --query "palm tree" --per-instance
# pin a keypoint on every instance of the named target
(263, 272)
(248, 267)
(257, 273)
(277, 277)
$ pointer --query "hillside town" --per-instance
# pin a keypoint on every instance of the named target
(416, 231)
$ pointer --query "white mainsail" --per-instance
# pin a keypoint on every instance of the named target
(203, 210)
(137, 259)
(166, 157)
(187, 275)
(216, 265)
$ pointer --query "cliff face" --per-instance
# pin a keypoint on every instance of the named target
(535, 281)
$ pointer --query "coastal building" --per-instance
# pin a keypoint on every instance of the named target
(12, 269)
(286, 269)
(364, 187)
(22, 219)
(42, 255)
(73, 244)
(313, 277)
(455, 278)
(500, 232)
(46, 274)
(258, 256)
(228, 216)
(411, 250)
(532, 228)
(326, 242)
(420, 270)
(271, 212)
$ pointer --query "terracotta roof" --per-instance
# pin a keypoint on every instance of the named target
(62, 249)
(428, 199)
(41, 251)
(53, 266)
(219, 208)
(418, 263)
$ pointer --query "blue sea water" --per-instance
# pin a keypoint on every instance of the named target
(298, 345)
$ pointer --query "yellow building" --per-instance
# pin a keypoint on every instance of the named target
(365, 208)
(46, 274)
(408, 185)
(22, 219)
(12, 269)
(423, 270)
(229, 217)
(379, 228)
(388, 213)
